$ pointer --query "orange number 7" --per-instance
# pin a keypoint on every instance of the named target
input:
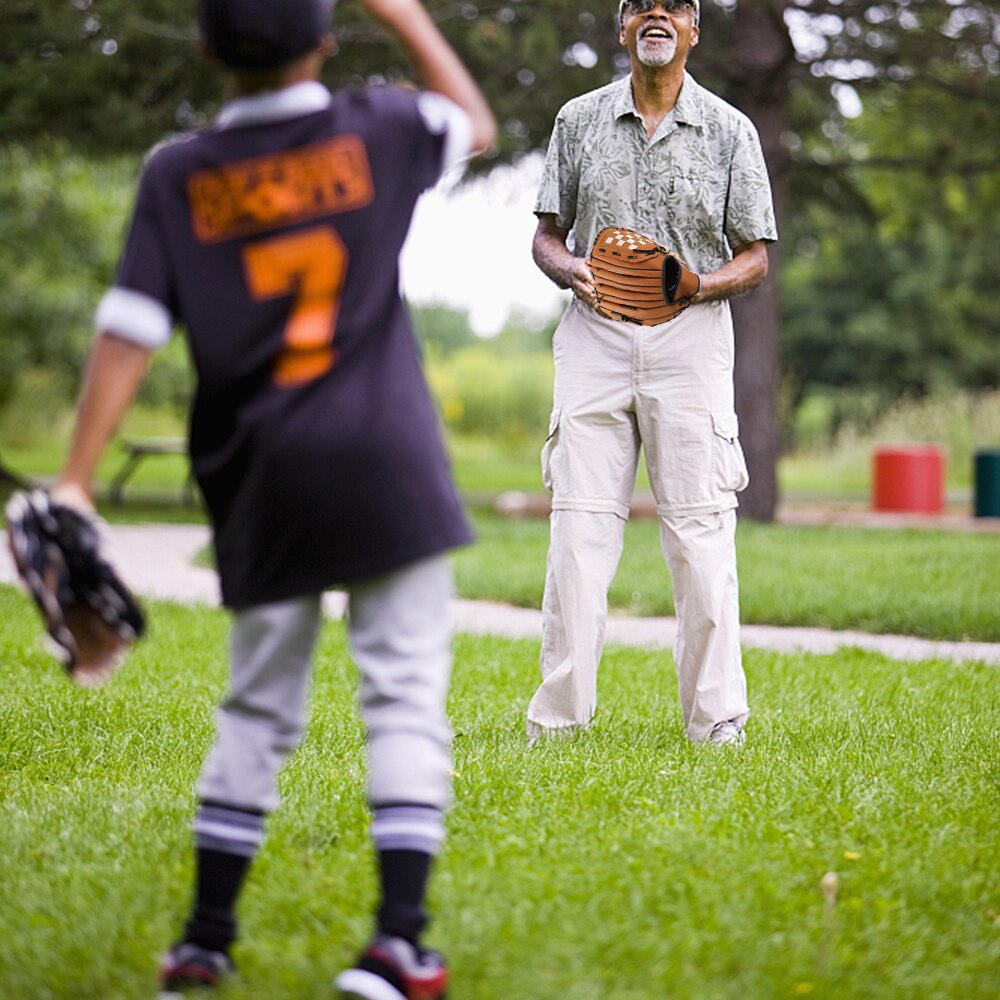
(309, 265)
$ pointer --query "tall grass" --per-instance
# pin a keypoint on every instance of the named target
(963, 423)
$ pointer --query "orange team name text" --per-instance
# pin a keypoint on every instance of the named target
(259, 194)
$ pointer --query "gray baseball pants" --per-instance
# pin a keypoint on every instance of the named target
(400, 638)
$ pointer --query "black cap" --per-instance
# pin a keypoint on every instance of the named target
(262, 34)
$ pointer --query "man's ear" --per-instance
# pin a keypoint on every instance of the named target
(695, 35)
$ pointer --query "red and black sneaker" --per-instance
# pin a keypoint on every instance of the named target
(188, 965)
(391, 968)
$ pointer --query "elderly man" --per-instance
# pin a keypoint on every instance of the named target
(658, 153)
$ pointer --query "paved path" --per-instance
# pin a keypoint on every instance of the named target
(156, 562)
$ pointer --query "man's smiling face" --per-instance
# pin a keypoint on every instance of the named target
(656, 37)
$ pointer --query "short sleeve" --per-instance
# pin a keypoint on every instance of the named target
(139, 306)
(444, 117)
(749, 208)
(560, 182)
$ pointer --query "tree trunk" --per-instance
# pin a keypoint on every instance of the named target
(761, 62)
(756, 376)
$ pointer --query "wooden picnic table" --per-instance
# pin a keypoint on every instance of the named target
(140, 449)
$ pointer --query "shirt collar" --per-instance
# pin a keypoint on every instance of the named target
(688, 108)
(275, 105)
(689, 105)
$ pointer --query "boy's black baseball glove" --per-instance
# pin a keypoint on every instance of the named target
(89, 614)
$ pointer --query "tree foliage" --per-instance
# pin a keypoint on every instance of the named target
(58, 246)
(114, 75)
(890, 267)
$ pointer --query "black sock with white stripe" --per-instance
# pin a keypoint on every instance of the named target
(404, 885)
(406, 838)
(227, 840)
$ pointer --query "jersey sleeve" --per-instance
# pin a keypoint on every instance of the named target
(749, 209)
(138, 306)
(444, 117)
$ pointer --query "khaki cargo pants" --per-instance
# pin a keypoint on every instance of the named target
(667, 391)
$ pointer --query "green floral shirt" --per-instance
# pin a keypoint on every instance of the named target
(699, 187)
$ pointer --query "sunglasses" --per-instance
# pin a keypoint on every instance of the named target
(645, 6)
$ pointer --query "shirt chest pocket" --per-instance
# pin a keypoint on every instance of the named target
(700, 194)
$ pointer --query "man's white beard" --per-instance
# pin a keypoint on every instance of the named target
(657, 53)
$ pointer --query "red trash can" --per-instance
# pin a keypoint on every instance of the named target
(909, 478)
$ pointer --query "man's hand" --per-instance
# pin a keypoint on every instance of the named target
(581, 282)
(742, 274)
(556, 261)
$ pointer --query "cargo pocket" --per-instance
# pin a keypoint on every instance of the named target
(548, 448)
(731, 473)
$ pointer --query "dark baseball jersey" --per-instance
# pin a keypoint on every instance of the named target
(273, 238)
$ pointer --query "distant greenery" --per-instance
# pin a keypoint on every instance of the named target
(835, 448)
(624, 864)
(881, 300)
(63, 217)
(832, 465)
(497, 391)
(64, 222)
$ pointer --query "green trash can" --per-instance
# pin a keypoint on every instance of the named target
(987, 493)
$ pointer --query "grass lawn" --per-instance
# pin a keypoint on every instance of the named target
(624, 864)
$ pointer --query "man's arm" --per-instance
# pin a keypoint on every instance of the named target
(438, 67)
(742, 274)
(115, 370)
(554, 259)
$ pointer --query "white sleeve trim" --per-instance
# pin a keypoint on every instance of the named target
(134, 316)
(443, 116)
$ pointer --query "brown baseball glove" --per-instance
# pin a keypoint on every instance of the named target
(637, 280)
(89, 614)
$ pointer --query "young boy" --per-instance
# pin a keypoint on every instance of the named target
(273, 238)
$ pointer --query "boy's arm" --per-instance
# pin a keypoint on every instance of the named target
(115, 370)
(437, 65)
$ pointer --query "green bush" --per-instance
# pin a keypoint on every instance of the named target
(483, 392)
(64, 221)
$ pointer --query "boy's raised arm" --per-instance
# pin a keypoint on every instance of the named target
(438, 67)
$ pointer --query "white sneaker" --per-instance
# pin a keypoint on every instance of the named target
(727, 734)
